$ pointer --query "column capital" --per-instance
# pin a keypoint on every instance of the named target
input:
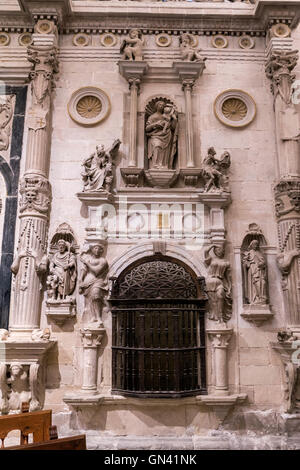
(279, 69)
(188, 72)
(91, 337)
(220, 336)
(133, 71)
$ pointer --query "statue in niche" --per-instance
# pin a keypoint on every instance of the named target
(93, 283)
(218, 284)
(162, 134)
(15, 389)
(255, 274)
(132, 46)
(62, 276)
(97, 172)
(188, 51)
(214, 171)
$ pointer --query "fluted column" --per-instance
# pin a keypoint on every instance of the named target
(220, 338)
(188, 73)
(133, 72)
(35, 189)
(134, 86)
(91, 339)
(187, 86)
(280, 65)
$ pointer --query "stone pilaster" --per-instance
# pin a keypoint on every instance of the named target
(91, 339)
(35, 189)
(188, 73)
(220, 337)
(133, 72)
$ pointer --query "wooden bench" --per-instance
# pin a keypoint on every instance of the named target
(36, 423)
(65, 443)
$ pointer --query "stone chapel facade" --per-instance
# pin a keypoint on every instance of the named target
(150, 220)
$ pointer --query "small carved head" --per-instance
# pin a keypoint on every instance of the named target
(16, 369)
(30, 195)
(135, 33)
(62, 246)
(219, 250)
(211, 151)
(254, 245)
(97, 250)
(160, 105)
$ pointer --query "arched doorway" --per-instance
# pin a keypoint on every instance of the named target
(158, 330)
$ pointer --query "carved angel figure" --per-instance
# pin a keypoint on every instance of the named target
(62, 272)
(213, 171)
(93, 283)
(188, 51)
(162, 134)
(97, 174)
(255, 267)
(132, 45)
(218, 284)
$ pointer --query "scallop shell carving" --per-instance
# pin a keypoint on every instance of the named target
(89, 107)
(234, 109)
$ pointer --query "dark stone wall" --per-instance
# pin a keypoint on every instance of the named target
(11, 174)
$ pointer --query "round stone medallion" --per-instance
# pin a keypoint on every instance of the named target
(108, 40)
(246, 42)
(219, 42)
(163, 40)
(89, 106)
(25, 39)
(44, 27)
(280, 30)
(81, 39)
(235, 108)
(4, 39)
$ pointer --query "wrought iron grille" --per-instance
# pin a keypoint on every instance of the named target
(158, 343)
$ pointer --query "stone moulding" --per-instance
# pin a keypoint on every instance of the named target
(60, 312)
(95, 198)
(82, 400)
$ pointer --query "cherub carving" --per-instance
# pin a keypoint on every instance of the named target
(188, 51)
(132, 45)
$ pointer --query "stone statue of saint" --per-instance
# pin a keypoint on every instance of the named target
(188, 51)
(213, 170)
(97, 174)
(132, 45)
(218, 284)
(162, 133)
(93, 283)
(255, 267)
(62, 276)
(19, 386)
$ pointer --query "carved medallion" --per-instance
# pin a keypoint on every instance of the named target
(108, 40)
(44, 27)
(89, 106)
(81, 40)
(219, 42)
(280, 30)
(163, 40)
(4, 39)
(246, 42)
(235, 108)
(25, 39)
